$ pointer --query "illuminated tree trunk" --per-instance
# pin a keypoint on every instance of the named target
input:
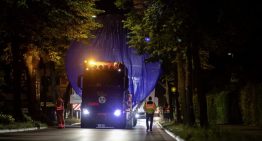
(181, 84)
(33, 95)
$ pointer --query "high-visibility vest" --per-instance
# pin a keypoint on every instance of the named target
(59, 104)
(150, 108)
(59, 108)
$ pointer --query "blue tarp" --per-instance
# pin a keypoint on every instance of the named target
(110, 44)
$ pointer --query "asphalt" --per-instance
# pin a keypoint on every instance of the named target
(177, 138)
(234, 129)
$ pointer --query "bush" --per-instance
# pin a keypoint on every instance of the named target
(27, 118)
(6, 119)
(250, 103)
(217, 107)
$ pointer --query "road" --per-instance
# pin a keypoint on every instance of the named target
(75, 133)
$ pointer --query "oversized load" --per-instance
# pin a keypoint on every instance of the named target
(110, 45)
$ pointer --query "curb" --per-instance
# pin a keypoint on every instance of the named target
(177, 138)
(20, 130)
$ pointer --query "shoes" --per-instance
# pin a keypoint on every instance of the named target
(148, 130)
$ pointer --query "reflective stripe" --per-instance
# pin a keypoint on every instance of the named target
(60, 108)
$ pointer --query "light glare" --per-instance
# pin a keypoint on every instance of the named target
(86, 112)
(147, 39)
(92, 62)
(117, 112)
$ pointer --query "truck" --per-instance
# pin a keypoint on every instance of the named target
(110, 44)
(106, 102)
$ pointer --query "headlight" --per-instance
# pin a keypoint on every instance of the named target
(85, 111)
(137, 115)
(117, 112)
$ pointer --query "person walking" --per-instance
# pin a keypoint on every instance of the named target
(149, 108)
(60, 112)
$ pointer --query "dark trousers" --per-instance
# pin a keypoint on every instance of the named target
(149, 118)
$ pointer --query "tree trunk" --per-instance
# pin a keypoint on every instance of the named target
(44, 90)
(178, 110)
(33, 102)
(67, 95)
(181, 85)
(171, 101)
(55, 90)
(167, 90)
(199, 88)
(189, 92)
(17, 65)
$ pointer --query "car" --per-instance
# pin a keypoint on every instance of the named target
(140, 115)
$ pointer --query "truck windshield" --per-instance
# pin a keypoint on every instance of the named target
(104, 78)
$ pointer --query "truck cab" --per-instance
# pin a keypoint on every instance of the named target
(104, 95)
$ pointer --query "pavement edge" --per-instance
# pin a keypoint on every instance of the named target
(20, 130)
(177, 138)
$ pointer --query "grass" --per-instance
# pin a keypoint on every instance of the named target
(32, 124)
(213, 133)
(19, 125)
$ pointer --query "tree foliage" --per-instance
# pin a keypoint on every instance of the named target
(224, 37)
(46, 20)
(163, 30)
(159, 31)
(44, 26)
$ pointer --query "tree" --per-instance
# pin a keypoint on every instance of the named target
(47, 25)
(167, 28)
(217, 36)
